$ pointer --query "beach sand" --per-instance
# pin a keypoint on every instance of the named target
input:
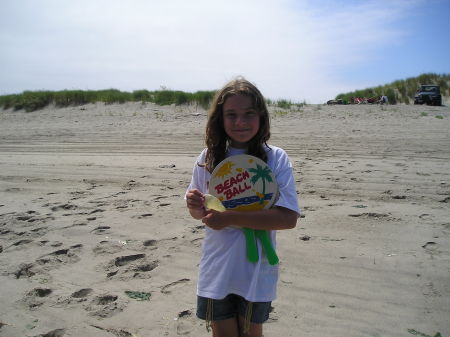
(91, 207)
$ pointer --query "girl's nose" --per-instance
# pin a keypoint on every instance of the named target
(240, 120)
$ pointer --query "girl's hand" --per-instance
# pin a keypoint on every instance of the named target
(215, 220)
(194, 202)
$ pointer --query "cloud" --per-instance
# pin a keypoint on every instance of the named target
(289, 49)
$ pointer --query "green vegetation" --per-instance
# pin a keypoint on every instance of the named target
(402, 91)
(285, 104)
(138, 295)
(35, 100)
(280, 113)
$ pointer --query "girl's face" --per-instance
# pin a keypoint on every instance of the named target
(240, 120)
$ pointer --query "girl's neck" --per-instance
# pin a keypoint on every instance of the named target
(236, 150)
(238, 145)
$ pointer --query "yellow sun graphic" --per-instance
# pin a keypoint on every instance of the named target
(224, 170)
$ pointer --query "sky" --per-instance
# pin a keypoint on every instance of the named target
(301, 50)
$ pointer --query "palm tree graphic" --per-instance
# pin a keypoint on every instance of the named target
(262, 173)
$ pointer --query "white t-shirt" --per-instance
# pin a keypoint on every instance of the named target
(224, 268)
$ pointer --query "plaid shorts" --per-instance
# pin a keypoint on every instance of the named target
(231, 306)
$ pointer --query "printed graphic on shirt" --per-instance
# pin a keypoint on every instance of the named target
(244, 183)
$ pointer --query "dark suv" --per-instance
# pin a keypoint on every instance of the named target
(428, 94)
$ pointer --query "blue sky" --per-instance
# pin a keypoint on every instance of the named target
(294, 49)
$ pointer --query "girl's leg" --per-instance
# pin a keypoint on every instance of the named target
(255, 329)
(225, 328)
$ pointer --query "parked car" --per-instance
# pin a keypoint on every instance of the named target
(428, 94)
(336, 101)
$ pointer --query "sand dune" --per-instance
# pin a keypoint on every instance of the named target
(95, 239)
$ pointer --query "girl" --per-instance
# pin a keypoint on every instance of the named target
(234, 295)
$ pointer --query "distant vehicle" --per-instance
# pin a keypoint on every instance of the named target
(336, 101)
(428, 94)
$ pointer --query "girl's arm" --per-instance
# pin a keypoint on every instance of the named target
(267, 219)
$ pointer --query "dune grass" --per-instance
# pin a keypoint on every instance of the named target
(402, 91)
(285, 104)
(35, 100)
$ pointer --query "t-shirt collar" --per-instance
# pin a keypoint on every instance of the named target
(232, 151)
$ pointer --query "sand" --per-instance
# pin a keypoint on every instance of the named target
(91, 209)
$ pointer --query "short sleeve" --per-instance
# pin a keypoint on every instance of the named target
(283, 171)
(200, 175)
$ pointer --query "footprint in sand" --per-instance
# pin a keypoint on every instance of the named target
(185, 322)
(82, 293)
(48, 261)
(399, 197)
(4, 231)
(60, 256)
(430, 246)
(197, 242)
(92, 184)
(27, 219)
(39, 231)
(104, 306)
(197, 229)
(130, 185)
(115, 332)
(429, 290)
(158, 198)
(101, 229)
(373, 215)
(107, 247)
(63, 207)
(53, 333)
(143, 216)
(20, 239)
(78, 195)
(78, 296)
(36, 297)
(130, 266)
(24, 217)
(168, 288)
(124, 260)
(25, 270)
(150, 243)
(21, 243)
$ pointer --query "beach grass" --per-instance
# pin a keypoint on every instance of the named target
(35, 100)
(401, 91)
(285, 104)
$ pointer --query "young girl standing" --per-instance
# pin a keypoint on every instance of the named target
(234, 295)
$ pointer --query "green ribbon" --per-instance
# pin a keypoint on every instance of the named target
(252, 250)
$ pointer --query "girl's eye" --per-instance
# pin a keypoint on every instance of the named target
(246, 115)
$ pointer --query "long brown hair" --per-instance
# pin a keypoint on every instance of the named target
(217, 139)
